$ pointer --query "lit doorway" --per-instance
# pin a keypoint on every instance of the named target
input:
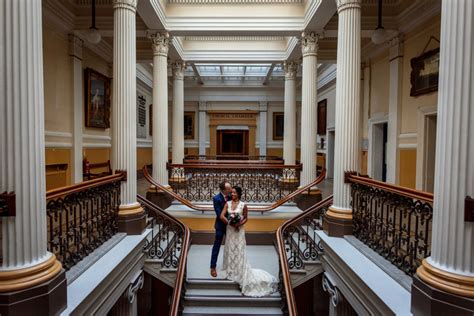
(233, 142)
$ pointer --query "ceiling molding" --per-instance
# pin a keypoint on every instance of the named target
(234, 1)
(234, 38)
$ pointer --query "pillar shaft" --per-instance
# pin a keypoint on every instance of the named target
(160, 45)
(346, 151)
(178, 112)
(124, 95)
(289, 132)
(202, 127)
(262, 128)
(309, 102)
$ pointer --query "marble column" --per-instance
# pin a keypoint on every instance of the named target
(309, 106)
(203, 127)
(160, 45)
(394, 106)
(75, 54)
(27, 269)
(262, 128)
(289, 132)
(449, 272)
(178, 112)
(346, 152)
(124, 116)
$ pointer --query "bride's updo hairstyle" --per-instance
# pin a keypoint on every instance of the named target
(238, 190)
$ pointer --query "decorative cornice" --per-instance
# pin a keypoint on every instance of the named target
(331, 288)
(126, 4)
(160, 41)
(235, 1)
(310, 43)
(347, 4)
(290, 68)
(235, 38)
(178, 69)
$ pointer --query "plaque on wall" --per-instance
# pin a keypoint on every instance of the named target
(189, 125)
(141, 116)
(424, 73)
(278, 125)
(322, 116)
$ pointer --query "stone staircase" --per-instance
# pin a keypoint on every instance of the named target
(205, 295)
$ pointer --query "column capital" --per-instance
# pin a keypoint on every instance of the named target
(160, 41)
(263, 106)
(178, 68)
(290, 68)
(75, 46)
(202, 106)
(126, 4)
(310, 43)
(396, 46)
(347, 4)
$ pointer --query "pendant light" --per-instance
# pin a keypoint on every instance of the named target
(379, 36)
(93, 35)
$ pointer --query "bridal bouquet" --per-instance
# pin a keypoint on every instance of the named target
(233, 218)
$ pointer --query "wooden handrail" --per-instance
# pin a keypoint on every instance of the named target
(228, 162)
(74, 188)
(411, 193)
(189, 204)
(236, 165)
(290, 298)
(178, 286)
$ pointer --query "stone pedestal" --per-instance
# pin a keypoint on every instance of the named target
(338, 220)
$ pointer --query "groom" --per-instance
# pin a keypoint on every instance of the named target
(219, 201)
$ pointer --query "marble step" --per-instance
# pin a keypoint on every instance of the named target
(230, 310)
(219, 284)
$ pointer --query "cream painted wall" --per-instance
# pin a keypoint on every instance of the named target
(414, 45)
(380, 78)
(57, 71)
(330, 95)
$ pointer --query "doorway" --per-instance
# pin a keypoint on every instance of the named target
(330, 155)
(379, 151)
(429, 152)
(233, 142)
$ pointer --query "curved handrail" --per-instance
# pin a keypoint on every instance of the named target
(55, 193)
(290, 298)
(178, 287)
(189, 204)
(414, 194)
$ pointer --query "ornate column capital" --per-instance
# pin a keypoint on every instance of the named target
(160, 41)
(263, 106)
(347, 4)
(178, 68)
(310, 43)
(290, 68)
(75, 46)
(126, 4)
(202, 106)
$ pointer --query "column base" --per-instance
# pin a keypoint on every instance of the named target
(308, 198)
(161, 199)
(337, 223)
(428, 300)
(46, 297)
(131, 219)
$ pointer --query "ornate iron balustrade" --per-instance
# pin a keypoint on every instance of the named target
(266, 183)
(392, 220)
(170, 243)
(82, 217)
(297, 242)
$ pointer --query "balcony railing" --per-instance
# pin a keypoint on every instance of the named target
(82, 217)
(297, 243)
(260, 183)
(169, 243)
(232, 157)
(392, 220)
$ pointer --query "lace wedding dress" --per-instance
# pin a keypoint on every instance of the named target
(253, 282)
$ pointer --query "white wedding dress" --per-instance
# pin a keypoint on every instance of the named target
(253, 282)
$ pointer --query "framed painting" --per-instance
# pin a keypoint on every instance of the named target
(189, 125)
(150, 120)
(97, 99)
(322, 115)
(424, 73)
(278, 125)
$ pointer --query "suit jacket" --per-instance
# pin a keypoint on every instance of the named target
(219, 202)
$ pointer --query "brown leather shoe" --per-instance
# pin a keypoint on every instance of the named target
(213, 272)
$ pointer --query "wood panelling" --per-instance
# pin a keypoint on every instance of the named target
(97, 155)
(407, 173)
(144, 157)
(58, 167)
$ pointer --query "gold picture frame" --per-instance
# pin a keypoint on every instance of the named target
(97, 99)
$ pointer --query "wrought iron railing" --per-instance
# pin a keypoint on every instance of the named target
(262, 183)
(82, 217)
(170, 240)
(392, 220)
(297, 242)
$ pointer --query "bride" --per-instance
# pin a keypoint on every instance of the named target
(253, 282)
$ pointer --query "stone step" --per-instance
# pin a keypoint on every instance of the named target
(231, 301)
(230, 310)
(220, 284)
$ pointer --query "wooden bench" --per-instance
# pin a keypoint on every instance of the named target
(87, 167)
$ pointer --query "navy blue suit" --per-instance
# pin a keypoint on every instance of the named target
(219, 202)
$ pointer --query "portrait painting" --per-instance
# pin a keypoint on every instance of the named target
(424, 73)
(278, 124)
(97, 99)
(189, 125)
